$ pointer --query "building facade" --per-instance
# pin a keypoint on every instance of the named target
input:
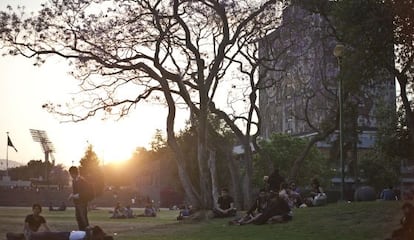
(299, 86)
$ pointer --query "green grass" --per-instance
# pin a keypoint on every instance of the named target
(354, 221)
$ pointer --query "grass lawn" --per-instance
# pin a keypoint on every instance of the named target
(353, 221)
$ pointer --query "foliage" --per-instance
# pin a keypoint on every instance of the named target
(34, 169)
(89, 162)
(220, 141)
(379, 169)
(282, 150)
(380, 166)
(59, 175)
(158, 142)
(90, 169)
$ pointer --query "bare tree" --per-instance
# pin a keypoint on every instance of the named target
(124, 52)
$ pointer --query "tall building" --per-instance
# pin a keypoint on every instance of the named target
(299, 91)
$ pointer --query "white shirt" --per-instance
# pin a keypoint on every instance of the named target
(77, 235)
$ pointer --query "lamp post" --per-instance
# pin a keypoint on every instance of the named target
(338, 52)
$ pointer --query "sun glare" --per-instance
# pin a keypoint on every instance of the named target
(116, 141)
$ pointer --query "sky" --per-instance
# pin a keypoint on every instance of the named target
(23, 90)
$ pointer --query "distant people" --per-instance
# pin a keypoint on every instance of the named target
(276, 211)
(266, 185)
(225, 205)
(32, 223)
(119, 211)
(62, 207)
(185, 212)
(275, 180)
(129, 213)
(406, 232)
(81, 191)
(293, 187)
(388, 194)
(318, 196)
(258, 207)
(296, 194)
(291, 197)
(149, 211)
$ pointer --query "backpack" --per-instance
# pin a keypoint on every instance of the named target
(96, 185)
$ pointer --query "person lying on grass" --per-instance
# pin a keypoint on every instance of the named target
(90, 233)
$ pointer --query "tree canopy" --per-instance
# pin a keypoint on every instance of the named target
(172, 51)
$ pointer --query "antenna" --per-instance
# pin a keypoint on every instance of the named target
(47, 146)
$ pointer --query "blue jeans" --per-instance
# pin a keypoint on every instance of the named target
(39, 236)
(50, 236)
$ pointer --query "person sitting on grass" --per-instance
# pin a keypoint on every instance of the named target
(388, 194)
(277, 211)
(149, 211)
(255, 210)
(185, 212)
(32, 223)
(318, 196)
(128, 212)
(118, 212)
(225, 205)
(292, 198)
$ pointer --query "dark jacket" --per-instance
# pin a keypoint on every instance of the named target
(83, 188)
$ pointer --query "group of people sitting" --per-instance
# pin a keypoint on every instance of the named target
(274, 202)
(36, 228)
(127, 212)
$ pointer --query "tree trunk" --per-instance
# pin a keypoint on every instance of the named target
(248, 188)
(189, 189)
(299, 161)
(402, 80)
(235, 179)
(202, 152)
(213, 173)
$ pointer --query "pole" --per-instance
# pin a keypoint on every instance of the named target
(338, 52)
(7, 155)
(341, 138)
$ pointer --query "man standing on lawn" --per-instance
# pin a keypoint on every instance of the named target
(80, 197)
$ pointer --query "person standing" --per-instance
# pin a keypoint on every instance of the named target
(275, 180)
(79, 195)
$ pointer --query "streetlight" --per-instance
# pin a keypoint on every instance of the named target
(338, 52)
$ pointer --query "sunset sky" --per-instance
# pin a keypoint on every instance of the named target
(23, 90)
